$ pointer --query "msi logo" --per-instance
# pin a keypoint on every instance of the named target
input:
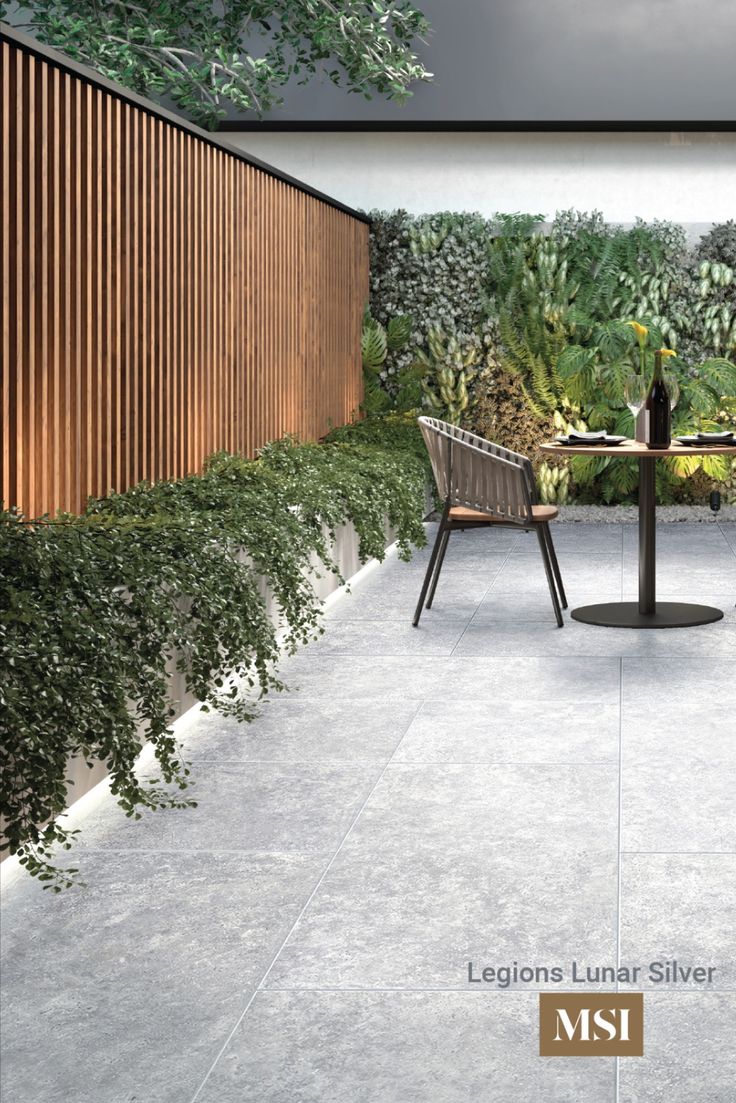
(605, 1024)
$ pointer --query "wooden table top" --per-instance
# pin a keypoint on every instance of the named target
(635, 448)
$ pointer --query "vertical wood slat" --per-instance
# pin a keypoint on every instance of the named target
(162, 299)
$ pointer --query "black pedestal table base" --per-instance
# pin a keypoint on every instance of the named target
(667, 614)
(647, 612)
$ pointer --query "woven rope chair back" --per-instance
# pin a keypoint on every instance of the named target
(472, 472)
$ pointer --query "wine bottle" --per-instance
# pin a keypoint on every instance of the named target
(656, 409)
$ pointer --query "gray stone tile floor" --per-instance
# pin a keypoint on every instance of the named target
(485, 788)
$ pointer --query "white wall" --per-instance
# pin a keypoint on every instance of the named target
(687, 178)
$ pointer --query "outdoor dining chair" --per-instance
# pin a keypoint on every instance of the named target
(484, 485)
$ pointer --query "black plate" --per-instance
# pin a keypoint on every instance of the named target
(606, 442)
(699, 442)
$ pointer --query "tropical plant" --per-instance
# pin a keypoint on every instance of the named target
(594, 376)
(520, 298)
(715, 305)
(535, 294)
(434, 267)
(428, 238)
(376, 341)
(553, 481)
(719, 244)
(447, 370)
(96, 610)
(203, 55)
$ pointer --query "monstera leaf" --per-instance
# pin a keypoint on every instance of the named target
(373, 345)
(398, 331)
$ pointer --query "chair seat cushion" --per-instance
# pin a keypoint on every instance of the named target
(540, 514)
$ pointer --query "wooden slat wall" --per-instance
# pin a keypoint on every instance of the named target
(161, 298)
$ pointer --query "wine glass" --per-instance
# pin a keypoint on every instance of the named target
(635, 392)
(673, 389)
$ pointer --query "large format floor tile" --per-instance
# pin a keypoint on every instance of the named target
(698, 538)
(472, 676)
(414, 915)
(448, 862)
(296, 728)
(670, 715)
(249, 807)
(485, 636)
(552, 809)
(688, 1056)
(398, 1047)
(125, 989)
(391, 637)
(472, 549)
(679, 907)
(576, 539)
(687, 575)
(675, 806)
(534, 720)
(594, 573)
(354, 677)
(518, 608)
(395, 596)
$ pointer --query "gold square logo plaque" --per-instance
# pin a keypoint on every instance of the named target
(591, 1024)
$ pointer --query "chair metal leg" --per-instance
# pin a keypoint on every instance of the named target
(550, 576)
(555, 565)
(438, 568)
(430, 567)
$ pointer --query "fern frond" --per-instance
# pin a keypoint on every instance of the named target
(543, 391)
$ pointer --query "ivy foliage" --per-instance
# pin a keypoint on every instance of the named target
(96, 610)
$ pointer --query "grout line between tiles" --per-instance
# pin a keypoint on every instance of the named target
(689, 853)
(83, 850)
(493, 991)
(361, 762)
(294, 925)
(728, 542)
(485, 595)
(347, 763)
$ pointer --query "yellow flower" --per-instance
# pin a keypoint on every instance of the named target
(641, 332)
(664, 353)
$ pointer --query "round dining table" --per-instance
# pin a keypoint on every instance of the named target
(647, 612)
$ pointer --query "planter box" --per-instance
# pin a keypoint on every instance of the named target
(344, 550)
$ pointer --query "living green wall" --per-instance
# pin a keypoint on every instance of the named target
(535, 319)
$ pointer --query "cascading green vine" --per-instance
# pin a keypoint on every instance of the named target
(95, 609)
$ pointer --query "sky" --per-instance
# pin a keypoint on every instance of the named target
(558, 60)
